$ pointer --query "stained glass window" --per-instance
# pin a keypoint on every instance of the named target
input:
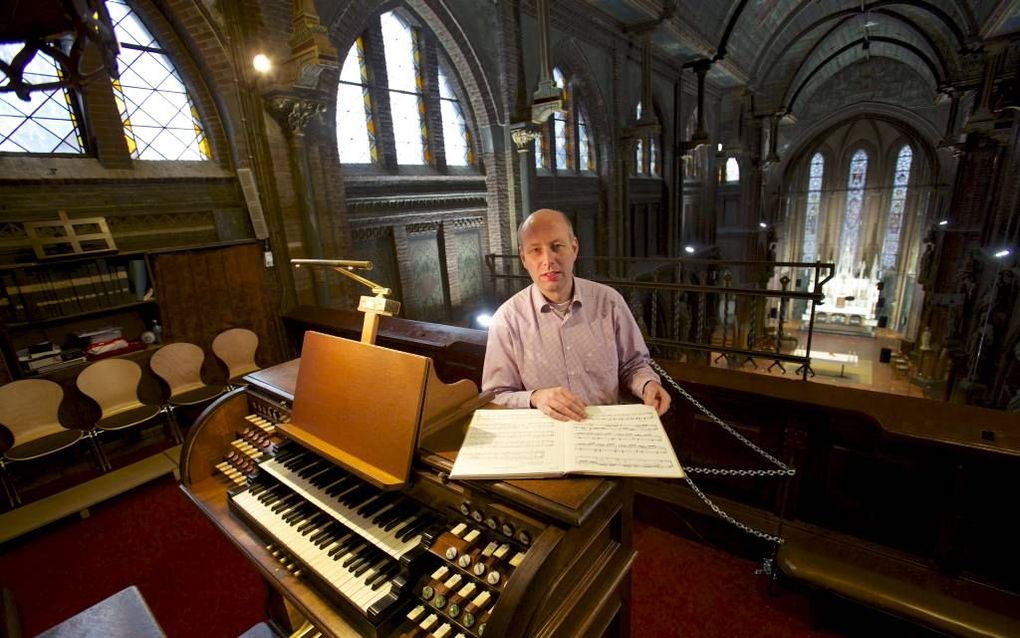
(159, 117)
(894, 223)
(455, 132)
(46, 123)
(541, 160)
(639, 147)
(407, 104)
(732, 169)
(355, 128)
(814, 199)
(586, 158)
(561, 124)
(856, 179)
(653, 156)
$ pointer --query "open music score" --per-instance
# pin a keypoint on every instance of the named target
(614, 440)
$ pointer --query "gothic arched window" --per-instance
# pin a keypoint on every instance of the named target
(568, 142)
(732, 169)
(562, 124)
(857, 177)
(894, 223)
(814, 200)
(639, 146)
(159, 117)
(419, 90)
(48, 122)
(355, 129)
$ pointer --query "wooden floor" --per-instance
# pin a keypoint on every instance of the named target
(868, 349)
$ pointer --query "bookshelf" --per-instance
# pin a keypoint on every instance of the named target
(51, 301)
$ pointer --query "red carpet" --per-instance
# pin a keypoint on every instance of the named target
(194, 581)
(683, 588)
(198, 585)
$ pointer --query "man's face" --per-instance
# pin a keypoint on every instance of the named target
(548, 251)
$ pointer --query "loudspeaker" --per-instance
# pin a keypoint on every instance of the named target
(251, 198)
(885, 355)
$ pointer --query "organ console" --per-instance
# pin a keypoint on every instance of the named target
(358, 550)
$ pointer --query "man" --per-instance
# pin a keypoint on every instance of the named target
(564, 343)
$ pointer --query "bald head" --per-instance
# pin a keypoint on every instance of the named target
(548, 252)
(543, 217)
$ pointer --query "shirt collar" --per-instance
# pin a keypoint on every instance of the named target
(544, 305)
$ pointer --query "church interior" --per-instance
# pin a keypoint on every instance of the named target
(250, 249)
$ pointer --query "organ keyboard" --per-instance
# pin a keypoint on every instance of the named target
(437, 558)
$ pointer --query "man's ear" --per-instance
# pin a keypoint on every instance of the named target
(576, 245)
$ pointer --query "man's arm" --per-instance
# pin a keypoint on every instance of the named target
(635, 372)
(500, 373)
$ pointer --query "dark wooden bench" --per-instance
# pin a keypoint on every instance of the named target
(896, 596)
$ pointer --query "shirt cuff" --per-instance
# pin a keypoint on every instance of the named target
(637, 384)
(519, 399)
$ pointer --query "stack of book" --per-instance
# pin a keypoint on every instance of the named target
(105, 342)
(45, 357)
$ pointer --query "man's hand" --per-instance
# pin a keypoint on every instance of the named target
(656, 396)
(560, 403)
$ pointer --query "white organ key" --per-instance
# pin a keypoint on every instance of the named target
(330, 568)
(388, 541)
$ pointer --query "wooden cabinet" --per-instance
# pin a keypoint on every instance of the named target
(51, 302)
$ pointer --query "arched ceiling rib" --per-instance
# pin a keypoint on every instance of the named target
(762, 43)
(850, 53)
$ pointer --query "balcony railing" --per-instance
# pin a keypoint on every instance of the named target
(689, 309)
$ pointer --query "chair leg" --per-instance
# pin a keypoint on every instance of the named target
(12, 492)
(104, 463)
(171, 420)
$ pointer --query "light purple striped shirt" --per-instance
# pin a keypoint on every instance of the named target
(593, 351)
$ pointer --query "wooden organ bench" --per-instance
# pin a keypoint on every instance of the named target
(894, 595)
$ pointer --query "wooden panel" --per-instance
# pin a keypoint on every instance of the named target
(360, 405)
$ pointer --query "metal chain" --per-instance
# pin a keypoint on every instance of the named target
(729, 519)
(784, 470)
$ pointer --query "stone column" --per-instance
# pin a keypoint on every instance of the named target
(294, 114)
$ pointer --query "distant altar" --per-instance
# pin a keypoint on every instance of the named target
(849, 305)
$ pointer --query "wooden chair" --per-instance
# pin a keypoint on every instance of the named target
(180, 366)
(29, 408)
(113, 385)
(236, 349)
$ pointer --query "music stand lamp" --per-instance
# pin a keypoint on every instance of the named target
(373, 307)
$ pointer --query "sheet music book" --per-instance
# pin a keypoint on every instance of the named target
(615, 440)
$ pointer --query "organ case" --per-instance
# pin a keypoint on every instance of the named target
(560, 549)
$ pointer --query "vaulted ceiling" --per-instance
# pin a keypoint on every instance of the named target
(786, 49)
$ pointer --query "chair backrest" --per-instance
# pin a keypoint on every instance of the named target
(236, 349)
(28, 408)
(113, 384)
(180, 365)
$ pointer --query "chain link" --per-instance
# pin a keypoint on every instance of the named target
(784, 470)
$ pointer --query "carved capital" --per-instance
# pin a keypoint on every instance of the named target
(523, 136)
(294, 113)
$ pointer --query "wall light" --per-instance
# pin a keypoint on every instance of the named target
(944, 222)
(484, 320)
(262, 63)
(689, 249)
(1005, 252)
(762, 225)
